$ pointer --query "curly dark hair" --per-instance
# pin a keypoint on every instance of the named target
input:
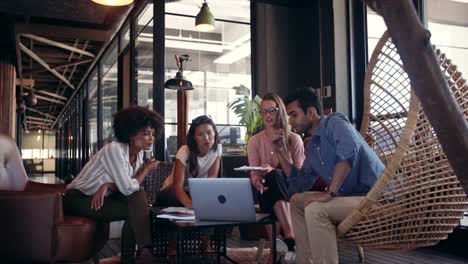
(129, 121)
(192, 144)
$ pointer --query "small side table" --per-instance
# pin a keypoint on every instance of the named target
(188, 231)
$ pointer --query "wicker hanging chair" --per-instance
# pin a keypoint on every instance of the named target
(418, 200)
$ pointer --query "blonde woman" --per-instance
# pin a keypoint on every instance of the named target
(270, 182)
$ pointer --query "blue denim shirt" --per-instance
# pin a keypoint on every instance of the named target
(336, 140)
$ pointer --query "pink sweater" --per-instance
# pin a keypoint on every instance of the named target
(260, 151)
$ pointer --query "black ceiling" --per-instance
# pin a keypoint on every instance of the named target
(80, 24)
(79, 13)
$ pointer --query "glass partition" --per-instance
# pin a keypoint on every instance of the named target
(220, 60)
(144, 57)
(93, 113)
(448, 23)
(109, 91)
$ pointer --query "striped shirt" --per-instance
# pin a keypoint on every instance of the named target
(110, 165)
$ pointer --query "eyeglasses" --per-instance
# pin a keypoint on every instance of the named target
(269, 110)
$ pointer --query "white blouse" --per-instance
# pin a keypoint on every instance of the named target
(204, 163)
(12, 174)
(110, 165)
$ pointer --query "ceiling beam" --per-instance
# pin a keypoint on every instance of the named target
(65, 32)
(39, 119)
(58, 44)
(37, 122)
(41, 113)
(52, 94)
(49, 99)
(78, 62)
(25, 82)
(45, 65)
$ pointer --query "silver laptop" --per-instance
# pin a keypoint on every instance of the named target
(224, 199)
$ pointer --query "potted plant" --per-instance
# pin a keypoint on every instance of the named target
(248, 110)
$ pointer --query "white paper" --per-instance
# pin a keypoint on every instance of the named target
(249, 168)
(177, 217)
(183, 210)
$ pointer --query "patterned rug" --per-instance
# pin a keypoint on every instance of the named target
(240, 255)
(247, 255)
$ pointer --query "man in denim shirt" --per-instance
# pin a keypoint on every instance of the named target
(337, 154)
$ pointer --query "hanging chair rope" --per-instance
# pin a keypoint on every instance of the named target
(418, 200)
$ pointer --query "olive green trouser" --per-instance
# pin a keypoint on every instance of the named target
(133, 209)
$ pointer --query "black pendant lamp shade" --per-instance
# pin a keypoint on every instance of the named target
(204, 21)
(178, 82)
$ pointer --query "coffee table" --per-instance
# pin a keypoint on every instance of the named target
(188, 234)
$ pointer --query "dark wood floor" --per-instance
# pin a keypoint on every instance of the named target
(347, 251)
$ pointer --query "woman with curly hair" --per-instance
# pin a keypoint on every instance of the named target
(108, 187)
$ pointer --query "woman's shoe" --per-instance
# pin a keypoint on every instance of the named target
(281, 250)
(290, 243)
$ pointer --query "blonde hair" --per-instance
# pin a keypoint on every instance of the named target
(281, 121)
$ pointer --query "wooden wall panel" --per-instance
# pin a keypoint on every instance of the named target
(7, 98)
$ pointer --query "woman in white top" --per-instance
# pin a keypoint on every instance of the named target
(108, 187)
(199, 158)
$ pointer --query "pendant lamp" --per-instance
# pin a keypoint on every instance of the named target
(178, 82)
(205, 21)
(181, 85)
(113, 2)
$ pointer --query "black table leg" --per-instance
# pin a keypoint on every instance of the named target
(180, 240)
(273, 241)
(225, 250)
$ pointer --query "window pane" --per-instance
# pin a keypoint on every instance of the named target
(375, 28)
(448, 23)
(144, 58)
(220, 60)
(92, 112)
(109, 91)
(145, 19)
(124, 36)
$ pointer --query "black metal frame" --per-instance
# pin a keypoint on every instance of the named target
(159, 47)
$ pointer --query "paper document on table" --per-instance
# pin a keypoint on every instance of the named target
(249, 168)
(177, 217)
(177, 210)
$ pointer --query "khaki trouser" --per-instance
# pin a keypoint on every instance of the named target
(134, 209)
(314, 227)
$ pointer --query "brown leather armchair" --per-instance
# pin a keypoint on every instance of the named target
(34, 229)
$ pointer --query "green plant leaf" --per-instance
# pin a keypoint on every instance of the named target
(247, 110)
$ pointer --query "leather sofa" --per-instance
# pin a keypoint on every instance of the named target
(34, 228)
